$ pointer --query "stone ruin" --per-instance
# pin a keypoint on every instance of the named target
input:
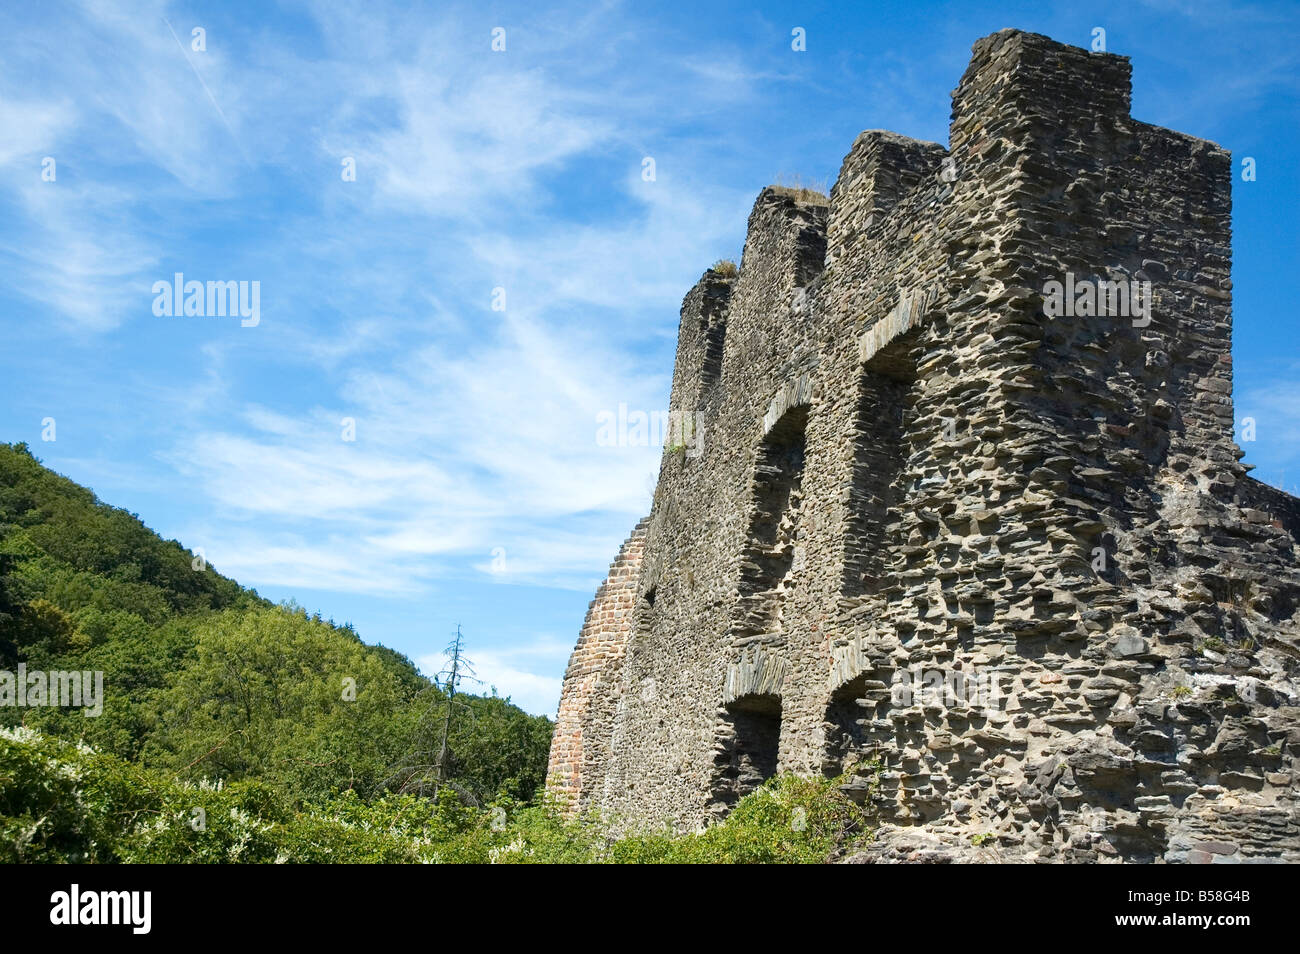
(992, 560)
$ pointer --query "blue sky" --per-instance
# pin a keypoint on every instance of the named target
(475, 491)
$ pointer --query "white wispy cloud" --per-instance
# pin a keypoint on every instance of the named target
(454, 455)
(1275, 411)
(31, 129)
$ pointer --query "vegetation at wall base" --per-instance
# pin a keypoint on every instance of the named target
(63, 802)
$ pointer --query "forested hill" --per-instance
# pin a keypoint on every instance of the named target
(205, 681)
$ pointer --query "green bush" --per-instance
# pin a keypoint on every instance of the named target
(61, 802)
(65, 803)
(790, 820)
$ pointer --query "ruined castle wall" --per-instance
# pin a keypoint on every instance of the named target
(1270, 505)
(1073, 434)
(696, 536)
(580, 745)
(910, 466)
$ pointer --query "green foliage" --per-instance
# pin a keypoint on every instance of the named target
(61, 802)
(499, 750)
(205, 680)
(790, 820)
(40, 629)
(273, 694)
(65, 523)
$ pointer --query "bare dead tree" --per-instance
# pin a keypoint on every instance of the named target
(425, 770)
(452, 680)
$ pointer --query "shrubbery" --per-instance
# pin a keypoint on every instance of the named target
(61, 802)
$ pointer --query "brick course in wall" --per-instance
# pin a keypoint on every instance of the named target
(915, 474)
(580, 744)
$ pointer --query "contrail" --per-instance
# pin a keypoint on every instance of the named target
(213, 99)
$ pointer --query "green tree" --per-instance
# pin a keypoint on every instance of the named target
(274, 694)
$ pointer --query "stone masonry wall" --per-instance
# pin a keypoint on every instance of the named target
(1004, 559)
(580, 746)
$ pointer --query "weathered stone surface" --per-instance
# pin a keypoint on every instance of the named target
(1013, 558)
